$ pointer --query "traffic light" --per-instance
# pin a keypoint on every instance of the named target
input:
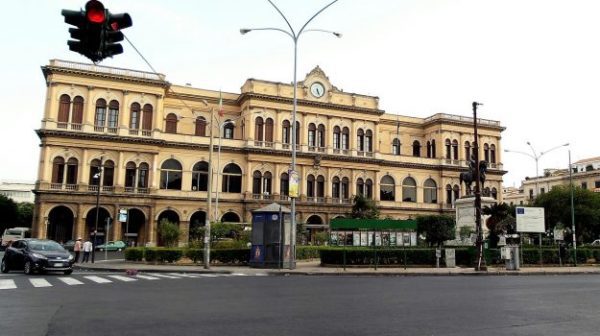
(97, 31)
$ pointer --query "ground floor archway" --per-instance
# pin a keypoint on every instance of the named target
(197, 222)
(314, 225)
(60, 224)
(133, 231)
(170, 216)
(90, 225)
(230, 217)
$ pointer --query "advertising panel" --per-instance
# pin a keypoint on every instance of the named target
(530, 219)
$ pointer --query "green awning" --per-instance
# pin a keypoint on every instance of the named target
(373, 224)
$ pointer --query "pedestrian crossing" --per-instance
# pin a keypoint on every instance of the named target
(74, 280)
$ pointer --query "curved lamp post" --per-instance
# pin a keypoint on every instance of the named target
(294, 36)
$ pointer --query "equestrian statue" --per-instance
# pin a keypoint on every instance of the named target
(469, 177)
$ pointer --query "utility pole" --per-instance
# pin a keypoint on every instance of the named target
(480, 266)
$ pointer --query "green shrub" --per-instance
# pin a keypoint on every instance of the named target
(195, 254)
(134, 253)
(168, 232)
(169, 255)
(150, 254)
(231, 256)
(307, 252)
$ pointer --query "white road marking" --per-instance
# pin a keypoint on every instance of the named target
(97, 279)
(239, 274)
(147, 277)
(185, 275)
(70, 281)
(40, 282)
(164, 276)
(209, 275)
(122, 278)
(7, 284)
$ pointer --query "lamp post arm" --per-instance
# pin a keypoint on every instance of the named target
(533, 150)
(324, 31)
(519, 152)
(553, 148)
(247, 30)
(314, 16)
(293, 34)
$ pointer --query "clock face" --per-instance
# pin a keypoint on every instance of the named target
(317, 89)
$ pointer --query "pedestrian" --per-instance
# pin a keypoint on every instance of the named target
(87, 248)
(77, 249)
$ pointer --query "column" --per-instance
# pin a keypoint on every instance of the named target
(79, 224)
(184, 233)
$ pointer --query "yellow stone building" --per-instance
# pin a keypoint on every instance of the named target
(151, 139)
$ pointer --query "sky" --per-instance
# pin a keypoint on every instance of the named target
(534, 64)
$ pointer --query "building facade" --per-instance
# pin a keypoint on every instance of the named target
(17, 191)
(151, 139)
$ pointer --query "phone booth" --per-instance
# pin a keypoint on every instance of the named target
(271, 237)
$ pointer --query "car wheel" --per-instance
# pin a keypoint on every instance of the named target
(68, 272)
(28, 268)
(4, 266)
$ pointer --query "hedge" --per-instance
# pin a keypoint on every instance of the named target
(308, 252)
(161, 254)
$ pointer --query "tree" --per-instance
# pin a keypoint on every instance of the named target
(557, 208)
(364, 208)
(168, 232)
(436, 228)
(25, 214)
(8, 213)
(497, 212)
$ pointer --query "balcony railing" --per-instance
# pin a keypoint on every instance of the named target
(98, 128)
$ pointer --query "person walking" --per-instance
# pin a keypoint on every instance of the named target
(87, 248)
(77, 249)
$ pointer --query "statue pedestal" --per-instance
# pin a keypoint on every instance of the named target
(465, 214)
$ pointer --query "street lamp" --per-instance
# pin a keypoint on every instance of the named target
(294, 36)
(535, 156)
(97, 177)
(572, 211)
(206, 255)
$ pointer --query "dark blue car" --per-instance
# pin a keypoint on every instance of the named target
(37, 255)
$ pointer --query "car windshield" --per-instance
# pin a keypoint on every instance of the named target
(45, 246)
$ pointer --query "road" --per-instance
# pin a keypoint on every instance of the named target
(300, 305)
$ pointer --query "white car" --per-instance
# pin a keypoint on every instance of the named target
(595, 242)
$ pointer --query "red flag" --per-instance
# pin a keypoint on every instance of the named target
(220, 104)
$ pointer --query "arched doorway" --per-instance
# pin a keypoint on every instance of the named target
(60, 224)
(230, 217)
(170, 216)
(134, 230)
(90, 224)
(314, 225)
(197, 221)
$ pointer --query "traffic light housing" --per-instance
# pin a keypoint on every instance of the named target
(97, 31)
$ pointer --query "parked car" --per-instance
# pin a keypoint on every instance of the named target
(112, 246)
(595, 242)
(13, 234)
(69, 245)
(37, 255)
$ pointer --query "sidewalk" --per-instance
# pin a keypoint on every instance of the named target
(314, 268)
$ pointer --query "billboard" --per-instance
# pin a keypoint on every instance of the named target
(530, 219)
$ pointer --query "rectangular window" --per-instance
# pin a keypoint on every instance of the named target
(542, 191)
(100, 119)
(597, 184)
(583, 185)
(344, 141)
(336, 141)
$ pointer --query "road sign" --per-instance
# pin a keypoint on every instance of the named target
(122, 215)
(530, 219)
(559, 234)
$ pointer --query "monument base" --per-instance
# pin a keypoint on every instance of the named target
(465, 215)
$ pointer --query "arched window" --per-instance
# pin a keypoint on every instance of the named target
(297, 138)
(320, 186)
(256, 182)
(455, 149)
(100, 116)
(448, 149)
(360, 140)
(109, 174)
(113, 116)
(261, 183)
(430, 191)
(495, 193)
(72, 167)
(312, 135)
(171, 123)
(143, 175)
(345, 192)
(493, 153)
(345, 138)
(63, 111)
(232, 179)
(337, 137)
(310, 186)
(416, 148)
(230, 217)
(130, 174)
(147, 119)
(369, 141)
(134, 118)
(449, 194)
(170, 175)
(486, 192)
(200, 176)
(321, 136)
(368, 189)
(396, 147)
(58, 170)
(259, 129)
(360, 187)
(77, 116)
(228, 129)
(589, 168)
(285, 132)
(456, 191)
(95, 172)
(467, 151)
(433, 155)
(387, 189)
(200, 126)
(335, 187)
(284, 185)
(486, 152)
(428, 149)
(409, 190)
(269, 130)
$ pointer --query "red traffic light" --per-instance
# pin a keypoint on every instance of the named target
(95, 12)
